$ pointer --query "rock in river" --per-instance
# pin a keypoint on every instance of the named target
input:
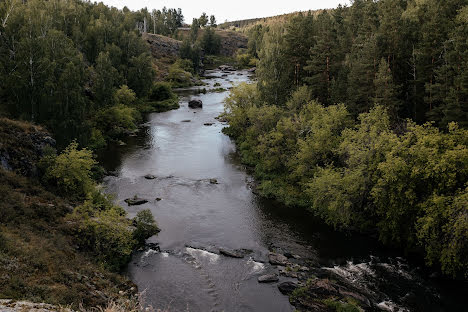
(195, 104)
(231, 253)
(268, 278)
(277, 259)
(213, 181)
(150, 177)
(287, 288)
(135, 201)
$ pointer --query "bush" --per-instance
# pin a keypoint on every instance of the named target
(145, 226)
(161, 91)
(117, 121)
(124, 95)
(71, 171)
(178, 77)
(109, 236)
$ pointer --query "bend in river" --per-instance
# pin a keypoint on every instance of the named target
(201, 199)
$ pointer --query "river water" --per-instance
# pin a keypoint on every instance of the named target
(198, 217)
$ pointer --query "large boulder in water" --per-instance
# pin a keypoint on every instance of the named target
(135, 201)
(231, 253)
(268, 278)
(195, 104)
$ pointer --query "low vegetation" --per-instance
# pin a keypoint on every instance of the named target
(61, 240)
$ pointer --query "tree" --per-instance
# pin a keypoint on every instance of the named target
(194, 28)
(275, 73)
(213, 21)
(203, 20)
(210, 41)
(385, 90)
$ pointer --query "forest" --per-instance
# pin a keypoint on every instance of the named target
(359, 114)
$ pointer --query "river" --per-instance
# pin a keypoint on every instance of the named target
(197, 218)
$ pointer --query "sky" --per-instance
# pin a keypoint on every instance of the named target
(230, 10)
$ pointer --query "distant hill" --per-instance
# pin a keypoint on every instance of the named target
(246, 23)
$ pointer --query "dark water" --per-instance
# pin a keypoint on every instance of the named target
(197, 217)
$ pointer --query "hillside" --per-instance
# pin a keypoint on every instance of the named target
(39, 258)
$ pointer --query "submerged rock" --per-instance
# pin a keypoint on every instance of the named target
(231, 253)
(135, 201)
(186, 120)
(286, 288)
(195, 104)
(268, 278)
(277, 259)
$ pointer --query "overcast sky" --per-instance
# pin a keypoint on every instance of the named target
(231, 9)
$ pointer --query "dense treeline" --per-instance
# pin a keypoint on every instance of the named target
(412, 53)
(62, 63)
(359, 115)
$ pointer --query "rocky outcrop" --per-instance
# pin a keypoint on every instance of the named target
(277, 259)
(7, 305)
(22, 145)
(162, 46)
(231, 253)
(286, 288)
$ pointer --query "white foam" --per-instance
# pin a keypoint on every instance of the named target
(391, 307)
(164, 254)
(148, 253)
(202, 254)
(256, 267)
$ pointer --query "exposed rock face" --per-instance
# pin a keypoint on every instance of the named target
(195, 104)
(22, 145)
(231, 253)
(286, 288)
(277, 259)
(162, 46)
(268, 278)
(21, 306)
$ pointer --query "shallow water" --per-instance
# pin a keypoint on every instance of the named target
(197, 218)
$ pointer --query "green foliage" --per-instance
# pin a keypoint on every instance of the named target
(124, 96)
(372, 52)
(178, 77)
(339, 306)
(108, 235)
(116, 121)
(161, 91)
(71, 171)
(70, 58)
(210, 41)
(409, 186)
(145, 226)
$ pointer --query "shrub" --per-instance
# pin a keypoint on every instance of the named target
(108, 236)
(117, 121)
(145, 226)
(71, 170)
(178, 77)
(161, 91)
(124, 95)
